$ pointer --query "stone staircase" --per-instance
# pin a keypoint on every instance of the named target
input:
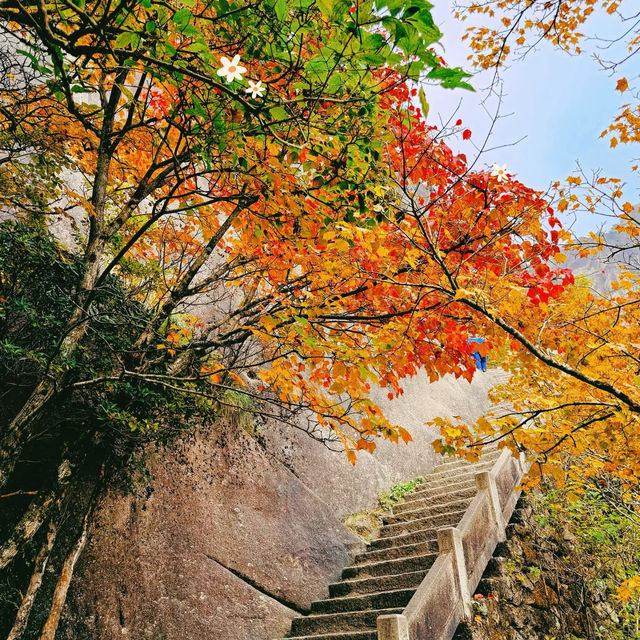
(382, 580)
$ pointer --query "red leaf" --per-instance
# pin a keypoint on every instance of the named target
(466, 134)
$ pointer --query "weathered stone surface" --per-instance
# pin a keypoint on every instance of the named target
(223, 517)
(226, 607)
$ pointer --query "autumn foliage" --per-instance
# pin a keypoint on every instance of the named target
(260, 218)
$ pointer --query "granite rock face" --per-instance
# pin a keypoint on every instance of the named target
(237, 535)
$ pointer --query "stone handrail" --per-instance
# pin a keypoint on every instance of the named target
(443, 599)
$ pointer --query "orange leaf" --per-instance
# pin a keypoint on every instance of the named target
(622, 85)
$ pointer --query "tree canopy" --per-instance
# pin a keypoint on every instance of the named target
(214, 206)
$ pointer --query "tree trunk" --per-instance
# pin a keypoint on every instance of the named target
(37, 512)
(22, 617)
(66, 573)
(20, 427)
(13, 440)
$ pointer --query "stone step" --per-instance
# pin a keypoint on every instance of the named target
(390, 567)
(439, 491)
(383, 579)
(487, 456)
(435, 477)
(401, 551)
(435, 499)
(377, 583)
(425, 511)
(448, 519)
(345, 635)
(326, 623)
(364, 602)
(425, 535)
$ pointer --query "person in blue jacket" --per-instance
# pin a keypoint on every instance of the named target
(481, 361)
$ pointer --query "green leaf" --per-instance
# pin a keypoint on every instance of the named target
(281, 8)
(326, 6)
(278, 113)
(31, 57)
(334, 83)
(197, 47)
(169, 49)
(197, 108)
(451, 78)
(373, 41)
(317, 64)
(374, 59)
(425, 18)
(182, 18)
(124, 40)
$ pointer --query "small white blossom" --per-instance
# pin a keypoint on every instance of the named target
(231, 69)
(500, 173)
(256, 89)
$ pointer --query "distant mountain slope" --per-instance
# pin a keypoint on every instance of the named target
(603, 268)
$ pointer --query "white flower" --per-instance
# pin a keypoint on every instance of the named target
(231, 69)
(500, 173)
(256, 89)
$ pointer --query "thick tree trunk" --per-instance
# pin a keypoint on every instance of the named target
(62, 587)
(66, 573)
(39, 510)
(19, 429)
(22, 617)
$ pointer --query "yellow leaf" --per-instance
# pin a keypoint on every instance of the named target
(629, 588)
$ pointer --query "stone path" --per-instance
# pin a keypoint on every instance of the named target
(383, 579)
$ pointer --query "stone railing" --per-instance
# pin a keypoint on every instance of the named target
(443, 599)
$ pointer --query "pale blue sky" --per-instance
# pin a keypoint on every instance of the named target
(561, 103)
